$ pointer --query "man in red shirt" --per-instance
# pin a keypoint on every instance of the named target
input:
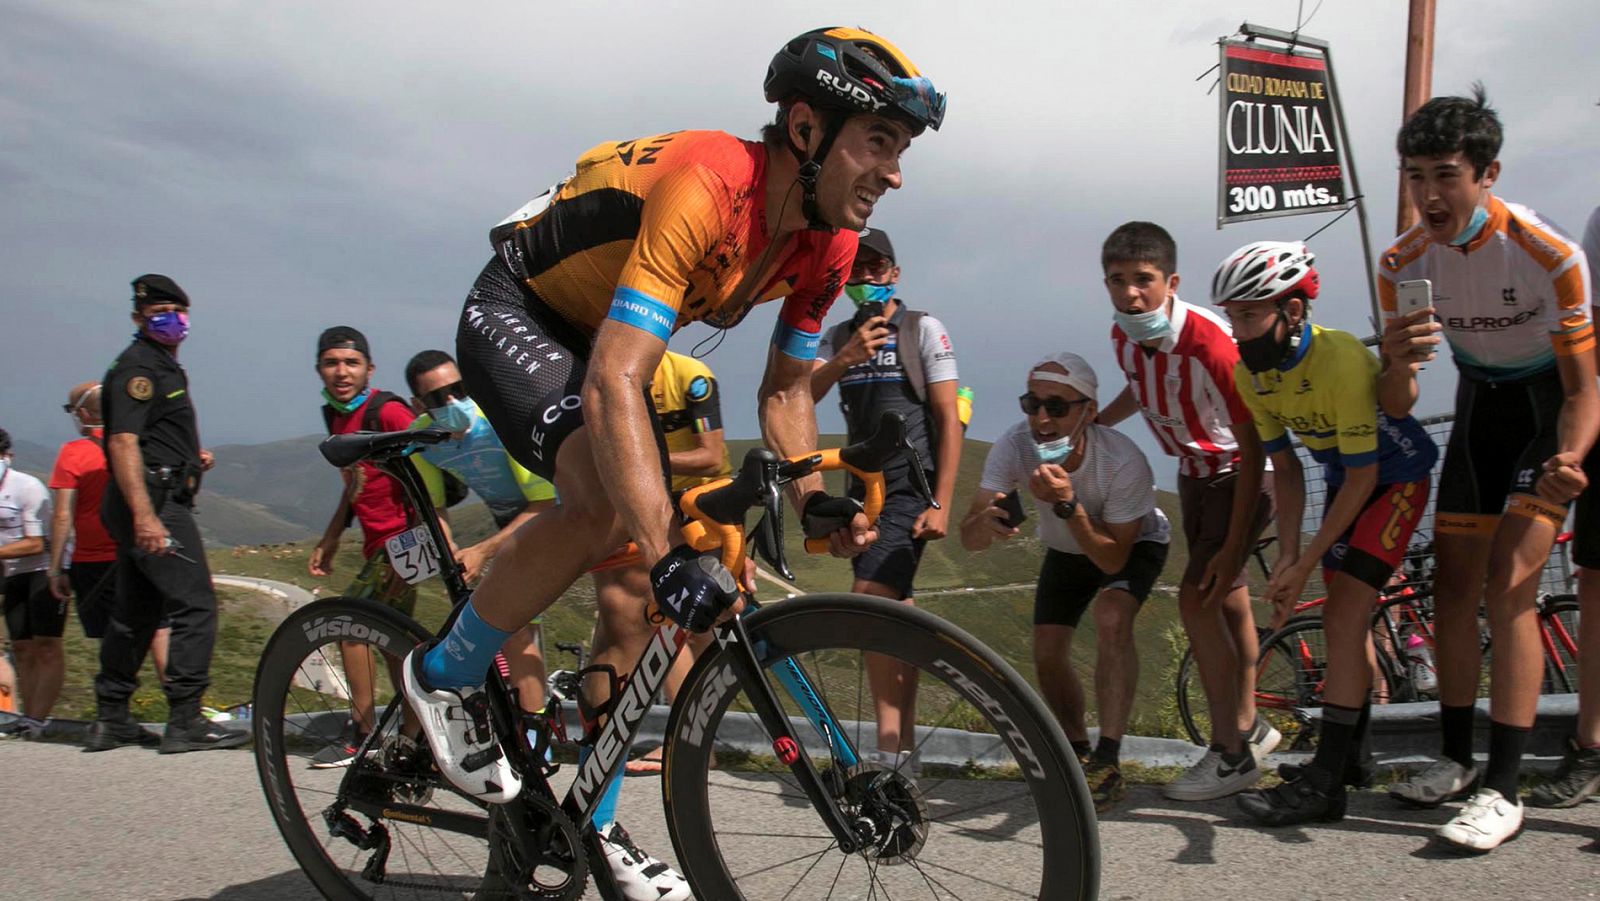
(77, 481)
(373, 499)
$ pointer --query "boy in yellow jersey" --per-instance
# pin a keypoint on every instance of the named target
(1322, 385)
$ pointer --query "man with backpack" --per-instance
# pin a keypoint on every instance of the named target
(376, 501)
(890, 358)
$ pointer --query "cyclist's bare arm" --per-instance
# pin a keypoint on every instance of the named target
(1119, 409)
(1217, 581)
(1289, 496)
(789, 427)
(1359, 483)
(1576, 428)
(616, 404)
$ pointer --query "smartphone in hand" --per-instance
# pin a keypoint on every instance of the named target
(1012, 505)
(1411, 296)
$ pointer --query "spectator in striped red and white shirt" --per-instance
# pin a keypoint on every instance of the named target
(1179, 361)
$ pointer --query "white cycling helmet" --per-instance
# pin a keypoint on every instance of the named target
(1265, 270)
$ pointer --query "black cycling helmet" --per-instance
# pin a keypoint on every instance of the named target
(848, 70)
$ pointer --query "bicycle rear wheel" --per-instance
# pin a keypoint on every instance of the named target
(1558, 625)
(1000, 809)
(1192, 701)
(1293, 673)
(382, 825)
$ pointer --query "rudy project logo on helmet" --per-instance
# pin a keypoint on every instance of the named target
(853, 91)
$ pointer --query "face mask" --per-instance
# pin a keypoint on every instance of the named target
(456, 416)
(1055, 451)
(1267, 350)
(1151, 326)
(868, 293)
(1474, 225)
(169, 328)
(350, 406)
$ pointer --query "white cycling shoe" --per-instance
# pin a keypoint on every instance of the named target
(1487, 822)
(640, 876)
(456, 724)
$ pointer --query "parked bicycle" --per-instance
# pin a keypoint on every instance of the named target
(779, 701)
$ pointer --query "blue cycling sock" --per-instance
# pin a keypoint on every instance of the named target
(463, 657)
(605, 813)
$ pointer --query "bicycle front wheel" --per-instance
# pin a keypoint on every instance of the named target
(999, 808)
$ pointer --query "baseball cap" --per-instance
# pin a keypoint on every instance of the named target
(342, 336)
(1080, 375)
(877, 241)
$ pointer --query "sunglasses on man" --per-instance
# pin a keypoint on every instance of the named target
(439, 397)
(1053, 406)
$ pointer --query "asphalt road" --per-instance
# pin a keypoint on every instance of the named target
(130, 824)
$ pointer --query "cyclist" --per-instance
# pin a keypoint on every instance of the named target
(1105, 539)
(1179, 359)
(1321, 384)
(1510, 294)
(561, 333)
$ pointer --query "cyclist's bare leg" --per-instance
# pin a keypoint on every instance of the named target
(525, 658)
(893, 684)
(1588, 639)
(1521, 548)
(1116, 665)
(1058, 680)
(1241, 622)
(1218, 662)
(1462, 566)
(1346, 620)
(543, 557)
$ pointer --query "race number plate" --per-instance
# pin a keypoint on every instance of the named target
(413, 555)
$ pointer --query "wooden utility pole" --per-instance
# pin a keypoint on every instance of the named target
(1419, 87)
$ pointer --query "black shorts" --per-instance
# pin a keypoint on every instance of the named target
(1069, 582)
(1586, 515)
(31, 610)
(94, 590)
(892, 560)
(524, 365)
(1503, 434)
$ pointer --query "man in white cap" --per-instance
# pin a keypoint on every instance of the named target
(1106, 542)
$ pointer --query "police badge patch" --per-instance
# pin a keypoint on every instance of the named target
(140, 388)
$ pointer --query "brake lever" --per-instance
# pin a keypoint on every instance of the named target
(919, 479)
(768, 535)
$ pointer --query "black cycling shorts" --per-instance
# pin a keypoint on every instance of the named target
(1503, 434)
(1586, 515)
(893, 559)
(523, 365)
(1068, 583)
(31, 611)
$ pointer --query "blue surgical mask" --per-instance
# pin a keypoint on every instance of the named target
(1055, 451)
(455, 416)
(1151, 326)
(350, 406)
(1474, 225)
(868, 293)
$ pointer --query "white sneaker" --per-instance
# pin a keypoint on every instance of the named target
(640, 876)
(1487, 822)
(1263, 739)
(1443, 780)
(1212, 778)
(456, 723)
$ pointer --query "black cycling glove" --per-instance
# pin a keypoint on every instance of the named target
(692, 588)
(823, 515)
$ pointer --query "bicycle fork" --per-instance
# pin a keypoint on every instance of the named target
(735, 641)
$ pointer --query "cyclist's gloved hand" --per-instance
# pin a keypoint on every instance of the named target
(823, 515)
(692, 588)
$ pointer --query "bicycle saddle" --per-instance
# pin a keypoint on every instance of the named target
(343, 450)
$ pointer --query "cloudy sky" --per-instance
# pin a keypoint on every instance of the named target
(296, 165)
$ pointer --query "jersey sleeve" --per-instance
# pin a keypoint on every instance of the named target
(1219, 358)
(701, 397)
(130, 394)
(1591, 253)
(799, 330)
(65, 473)
(938, 356)
(1274, 437)
(1001, 467)
(682, 220)
(1571, 327)
(432, 479)
(1132, 494)
(1355, 406)
(35, 509)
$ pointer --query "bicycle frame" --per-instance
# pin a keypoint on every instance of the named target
(607, 756)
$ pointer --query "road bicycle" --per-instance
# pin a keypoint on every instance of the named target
(766, 787)
(1291, 665)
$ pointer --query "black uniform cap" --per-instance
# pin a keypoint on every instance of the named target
(341, 336)
(154, 288)
(877, 241)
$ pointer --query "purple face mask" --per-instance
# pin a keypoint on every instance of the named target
(169, 328)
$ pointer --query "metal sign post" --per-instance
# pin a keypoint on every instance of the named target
(1275, 154)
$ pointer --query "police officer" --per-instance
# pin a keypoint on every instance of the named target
(153, 448)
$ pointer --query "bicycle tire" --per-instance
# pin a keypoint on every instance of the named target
(1561, 671)
(1191, 700)
(1291, 675)
(818, 632)
(281, 738)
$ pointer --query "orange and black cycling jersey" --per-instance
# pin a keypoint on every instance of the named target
(661, 231)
